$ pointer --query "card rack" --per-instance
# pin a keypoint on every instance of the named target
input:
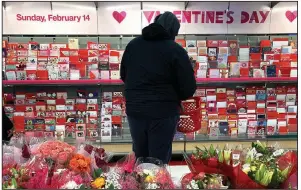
(213, 81)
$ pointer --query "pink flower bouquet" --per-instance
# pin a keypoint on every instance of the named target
(59, 151)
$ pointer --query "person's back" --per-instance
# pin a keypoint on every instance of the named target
(158, 74)
(154, 65)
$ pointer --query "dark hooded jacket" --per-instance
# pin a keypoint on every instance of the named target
(157, 71)
(7, 126)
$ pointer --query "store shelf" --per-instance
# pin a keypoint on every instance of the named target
(63, 82)
(119, 82)
(248, 80)
(290, 136)
(198, 138)
(178, 147)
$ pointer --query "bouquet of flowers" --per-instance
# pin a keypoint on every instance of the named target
(151, 174)
(103, 180)
(261, 168)
(69, 180)
(99, 157)
(14, 176)
(125, 168)
(204, 181)
(58, 151)
(45, 175)
(80, 164)
(210, 160)
(19, 148)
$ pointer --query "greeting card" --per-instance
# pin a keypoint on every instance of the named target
(104, 74)
(202, 51)
(222, 61)
(74, 74)
(258, 73)
(234, 69)
(201, 43)
(212, 51)
(214, 132)
(223, 127)
(11, 75)
(233, 47)
(242, 126)
(191, 43)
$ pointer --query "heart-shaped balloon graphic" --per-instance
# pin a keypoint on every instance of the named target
(291, 16)
(119, 16)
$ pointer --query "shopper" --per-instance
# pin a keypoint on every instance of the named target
(7, 126)
(157, 74)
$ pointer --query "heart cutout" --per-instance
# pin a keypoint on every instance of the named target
(119, 16)
(291, 16)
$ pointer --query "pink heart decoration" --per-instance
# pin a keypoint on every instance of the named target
(119, 16)
(291, 16)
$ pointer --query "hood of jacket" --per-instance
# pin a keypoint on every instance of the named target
(166, 26)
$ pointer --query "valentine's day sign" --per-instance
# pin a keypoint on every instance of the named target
(39, 18)
(128, 18)
(214, 18)
(222, 18)
(284, 18)
(249, 18)
(119, 18)
(153, 9)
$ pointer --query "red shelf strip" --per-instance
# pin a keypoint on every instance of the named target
(247, 79)
(118, 82)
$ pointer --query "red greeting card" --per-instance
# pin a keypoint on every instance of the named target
(19, 123)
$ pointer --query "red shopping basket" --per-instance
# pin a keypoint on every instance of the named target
(190, 118)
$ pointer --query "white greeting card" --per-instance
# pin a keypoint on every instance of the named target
(73, 43)
(74, 75)
(190, 43)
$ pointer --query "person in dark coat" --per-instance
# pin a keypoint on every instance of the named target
(7, 127)
(157, 74)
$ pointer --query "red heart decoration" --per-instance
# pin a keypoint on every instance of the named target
(291, 16)
(119, 16)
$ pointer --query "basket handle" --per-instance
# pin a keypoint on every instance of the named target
(189, 100)
(184, 116)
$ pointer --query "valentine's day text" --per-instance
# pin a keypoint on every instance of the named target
(218, 17)
(52, 18)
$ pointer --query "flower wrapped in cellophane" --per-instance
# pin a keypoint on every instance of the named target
(45, 174)
(69, 179)
(210, 161)
(81, 165)
(125, 169)
(108, 180)
(204, 181)
(58, 151)
(99, 157)
(152, 174)
(265, 167)
(19, 146)
(14, 176)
